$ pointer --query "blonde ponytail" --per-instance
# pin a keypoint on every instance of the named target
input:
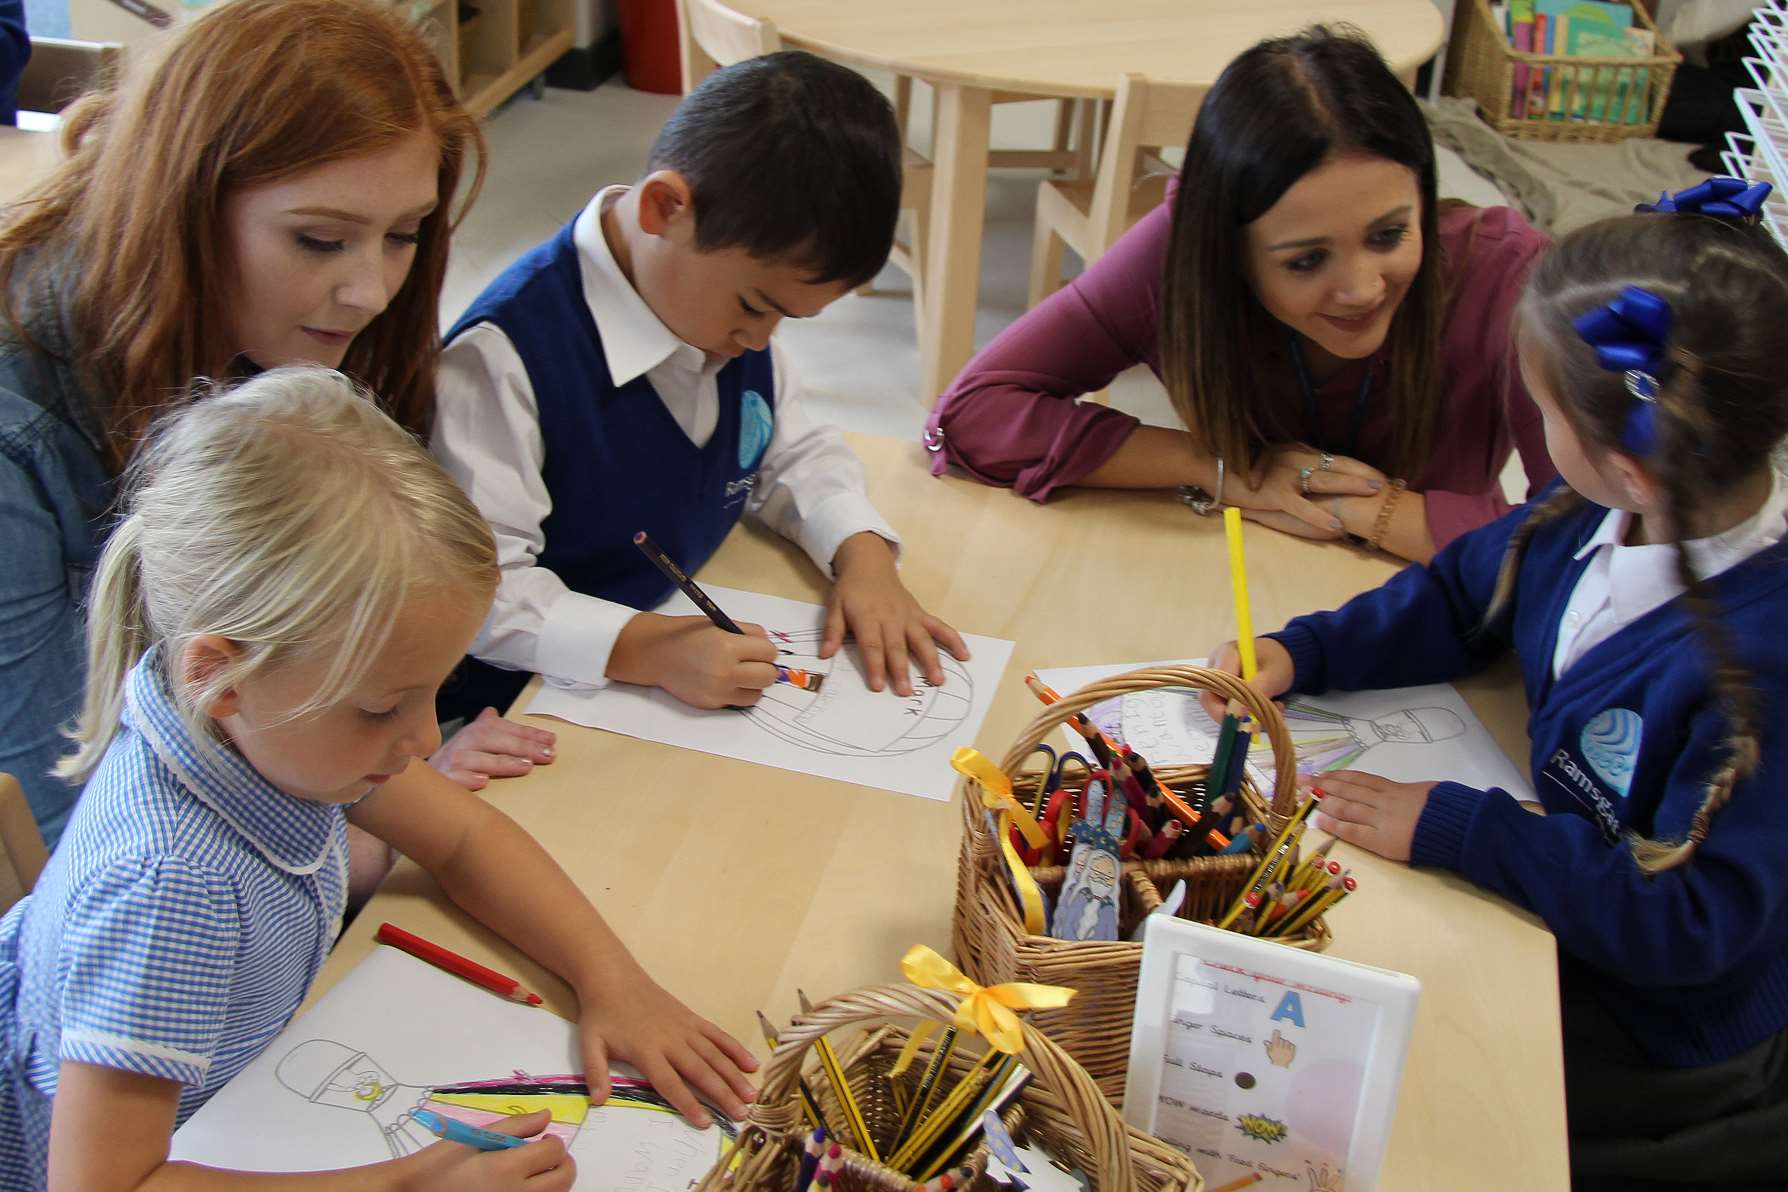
(288, 516)
(115, 640)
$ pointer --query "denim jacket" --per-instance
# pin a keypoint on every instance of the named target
(55, 493)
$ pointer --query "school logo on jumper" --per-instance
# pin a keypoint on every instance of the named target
(1610, 744)
(755, 424)
(1578, 782)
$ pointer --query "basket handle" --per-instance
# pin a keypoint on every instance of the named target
(1265, 712)
(1049, 1065)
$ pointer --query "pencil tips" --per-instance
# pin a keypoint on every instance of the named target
(806, 1006)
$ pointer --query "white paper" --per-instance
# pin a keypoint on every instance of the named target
(843, 731)
(1405, 734)
(335, 1088)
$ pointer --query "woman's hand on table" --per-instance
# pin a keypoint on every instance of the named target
(1272, 675)
(688, 1059)
(1374, 813)
(1274, 494)
(489, 746)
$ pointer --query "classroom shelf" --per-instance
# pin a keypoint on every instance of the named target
(494, 48)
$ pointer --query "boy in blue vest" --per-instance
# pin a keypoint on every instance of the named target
(620, 377)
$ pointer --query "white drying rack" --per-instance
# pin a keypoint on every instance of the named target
(1760, 153)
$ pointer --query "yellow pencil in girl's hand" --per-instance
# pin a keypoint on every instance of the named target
(1238, 581)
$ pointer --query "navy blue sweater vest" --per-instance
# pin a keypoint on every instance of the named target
(1692, 961)
(616, 462)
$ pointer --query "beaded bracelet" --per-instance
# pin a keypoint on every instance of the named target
(1382, 523)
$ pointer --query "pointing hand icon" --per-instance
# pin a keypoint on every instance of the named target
(1280, 1050)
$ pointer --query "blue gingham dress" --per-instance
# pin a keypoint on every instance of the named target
(174, 932)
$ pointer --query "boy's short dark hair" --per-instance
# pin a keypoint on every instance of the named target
(789, 157)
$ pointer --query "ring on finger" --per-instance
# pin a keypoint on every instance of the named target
(1327, 462)
(1304, 480)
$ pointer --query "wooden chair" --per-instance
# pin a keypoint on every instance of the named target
(1089, 215)
(22, 854)
(711, 35)
(60, 71)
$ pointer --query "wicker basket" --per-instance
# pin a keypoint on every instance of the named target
(1481, 66)
(1061, 1109)
(988, 934)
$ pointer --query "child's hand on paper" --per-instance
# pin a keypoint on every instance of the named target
(1272, 675)
(491, 747)
(684, 1056)
(541, 1166)
(698, 663)
(1375, 813)
(870, 602)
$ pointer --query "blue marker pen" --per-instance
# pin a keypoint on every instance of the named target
(454, 1130)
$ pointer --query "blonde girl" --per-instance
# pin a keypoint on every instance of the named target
(292, 581)
(1644, 598)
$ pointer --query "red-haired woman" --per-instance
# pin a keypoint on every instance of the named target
(272, 189)
(1323, 325)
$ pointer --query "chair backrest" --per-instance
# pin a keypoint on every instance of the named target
(60, 71)
(22, 854)
(710, 35)
(1146, 115)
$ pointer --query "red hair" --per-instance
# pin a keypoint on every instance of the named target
(249, 94)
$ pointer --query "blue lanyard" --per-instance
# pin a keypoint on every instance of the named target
(1314, 416)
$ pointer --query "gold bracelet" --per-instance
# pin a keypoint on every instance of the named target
(1382, 523)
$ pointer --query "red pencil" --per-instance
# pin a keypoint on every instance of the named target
(456, 964)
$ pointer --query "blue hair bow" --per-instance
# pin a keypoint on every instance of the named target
(1722, 198)
(1629, 336)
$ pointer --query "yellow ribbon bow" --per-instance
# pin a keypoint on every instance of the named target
(986, 1010)
(996, 792)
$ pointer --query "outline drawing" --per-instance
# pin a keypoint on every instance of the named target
(327, 1072)
(1322, 738)
(846, 719)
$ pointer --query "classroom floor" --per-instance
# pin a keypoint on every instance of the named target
(861, 356)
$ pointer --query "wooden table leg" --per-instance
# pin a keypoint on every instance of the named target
(958, 207)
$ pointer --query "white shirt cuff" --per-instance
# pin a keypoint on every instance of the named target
(577, 638)
(824, 530)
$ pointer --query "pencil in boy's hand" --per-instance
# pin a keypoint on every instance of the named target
(677, 576)
(454, 963)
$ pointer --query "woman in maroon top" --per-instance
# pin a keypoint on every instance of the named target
(1323, 325)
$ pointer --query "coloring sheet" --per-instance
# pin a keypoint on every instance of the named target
(336, 1088)
(843, 731)
(1406, 734)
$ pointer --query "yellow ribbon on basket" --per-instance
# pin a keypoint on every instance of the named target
(986, 1010)
(996, 795)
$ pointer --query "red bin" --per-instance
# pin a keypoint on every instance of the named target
(649, 46)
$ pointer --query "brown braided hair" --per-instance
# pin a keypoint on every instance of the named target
(1722, 408)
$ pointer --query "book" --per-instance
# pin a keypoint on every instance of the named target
(1521, 37)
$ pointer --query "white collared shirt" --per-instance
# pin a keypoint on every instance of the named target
(487, 436)
(1623, 583)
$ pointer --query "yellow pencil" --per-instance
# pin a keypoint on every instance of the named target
(1316, 904)
(985, 1099)
(1238, 579)
(853, 1115)
(1270, 864)
(951, 1107)
(809, 1105)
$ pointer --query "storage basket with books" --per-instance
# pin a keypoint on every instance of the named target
(1562, 70)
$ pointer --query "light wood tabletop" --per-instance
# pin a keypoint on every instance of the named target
(735, 883)
(24, 158)
(971, 49)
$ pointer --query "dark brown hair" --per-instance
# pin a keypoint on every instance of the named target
(1721, 410)
(250, 93)
(1280, 110)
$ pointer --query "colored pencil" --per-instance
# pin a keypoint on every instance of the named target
(847, 1100)
(456, 964)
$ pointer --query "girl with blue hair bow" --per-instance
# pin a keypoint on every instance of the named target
(1645, 596)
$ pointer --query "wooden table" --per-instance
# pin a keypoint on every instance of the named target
(968, 50)
(24, 158)
(735, 883)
